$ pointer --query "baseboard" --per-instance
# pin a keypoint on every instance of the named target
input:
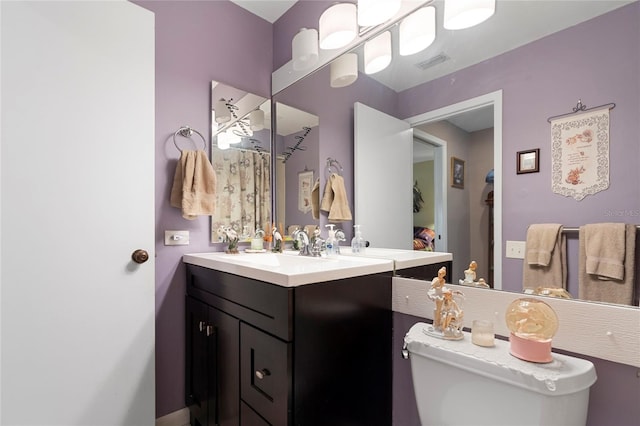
(177, 418)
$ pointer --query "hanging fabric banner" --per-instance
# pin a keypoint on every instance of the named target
(580, 154)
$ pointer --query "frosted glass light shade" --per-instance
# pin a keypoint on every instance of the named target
(460, 14)
(374, 12)
(417, 31)
(304, 49)
(256, 120)
(344, 70)
(222, 140)
(338, 26)
(222, 113)
(377, 53)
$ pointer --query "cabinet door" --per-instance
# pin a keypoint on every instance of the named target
(212, 370)
(198, 374)
(265, 375)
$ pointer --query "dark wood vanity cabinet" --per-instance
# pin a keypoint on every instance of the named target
(261, 354)
(427, 272)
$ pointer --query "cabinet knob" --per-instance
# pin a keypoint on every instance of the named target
(140, 256)
(201, 325)
(261, 374)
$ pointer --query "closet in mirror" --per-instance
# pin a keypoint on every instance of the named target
(241, 159)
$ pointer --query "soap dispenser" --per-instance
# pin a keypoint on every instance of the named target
(331, 242)
(357, 242)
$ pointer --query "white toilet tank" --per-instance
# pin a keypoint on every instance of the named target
(459, 383)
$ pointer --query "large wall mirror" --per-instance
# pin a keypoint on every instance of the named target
(475, 98)
(241, 159)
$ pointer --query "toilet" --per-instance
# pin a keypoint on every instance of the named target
(459, 383)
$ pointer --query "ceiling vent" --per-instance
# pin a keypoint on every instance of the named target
(433, 61)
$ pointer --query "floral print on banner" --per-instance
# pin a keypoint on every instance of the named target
(580, 154)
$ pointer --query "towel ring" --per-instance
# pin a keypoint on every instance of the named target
(187, 132)
(332, 165)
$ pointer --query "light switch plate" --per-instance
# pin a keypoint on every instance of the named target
(176, 238)
(515, 249)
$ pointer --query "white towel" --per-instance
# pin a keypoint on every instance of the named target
(194, 185)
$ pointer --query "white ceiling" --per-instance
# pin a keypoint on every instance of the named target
(269, 10)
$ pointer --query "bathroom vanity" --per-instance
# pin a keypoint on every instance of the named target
(276, 339)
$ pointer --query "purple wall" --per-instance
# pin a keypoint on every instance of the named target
(597, 61)
(196, 42)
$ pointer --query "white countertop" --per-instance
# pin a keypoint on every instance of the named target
(402, 258)
(290, 270)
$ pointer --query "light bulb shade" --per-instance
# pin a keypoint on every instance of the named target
(256, 120)
(338, 26)
(222, 114)
(377, 53)
(222, 140)
(304, 49)
(374, 12)
(417, 31)
(344, 70)
(460, 14)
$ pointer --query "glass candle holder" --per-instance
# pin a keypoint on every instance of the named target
(482, 333)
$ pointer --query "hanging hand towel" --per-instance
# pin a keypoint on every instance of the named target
(594, 287)
(340, 211)
(605, 250)
(327, 197)
(545, 263)
(194, 185)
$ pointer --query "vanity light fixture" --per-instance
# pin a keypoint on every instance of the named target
(459, 14)
(338, 26)
(417, 31)
(377, 53)
(374, 12)
(344, 70)
(256, 120)
(304, 49)
(222, 113)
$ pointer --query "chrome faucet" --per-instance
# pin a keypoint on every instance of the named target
(302, 238)
(318, 246)
(340, 236)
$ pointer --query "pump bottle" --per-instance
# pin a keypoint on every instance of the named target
(357, 242)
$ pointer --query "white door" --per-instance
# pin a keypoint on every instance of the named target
(77, 163)
(383, 178)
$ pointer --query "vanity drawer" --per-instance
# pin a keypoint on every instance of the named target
(267, 306)
(265, 374)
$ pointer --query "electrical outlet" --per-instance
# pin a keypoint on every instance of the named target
(515, 249)
(176, 238)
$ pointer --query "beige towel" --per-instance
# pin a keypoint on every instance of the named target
(593, 287)
(194, 185)
(315, 199)
(339, 211)
(545, 263)
(605, 250)
(541, 240)
(327, 197)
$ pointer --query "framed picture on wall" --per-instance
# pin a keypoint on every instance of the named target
(305, 181)
(528, 161)
(457, 173)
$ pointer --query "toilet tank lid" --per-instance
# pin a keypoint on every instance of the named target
(564, 375)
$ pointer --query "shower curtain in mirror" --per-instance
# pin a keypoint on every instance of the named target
(243, 193)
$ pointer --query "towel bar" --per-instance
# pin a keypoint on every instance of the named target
(187, 132)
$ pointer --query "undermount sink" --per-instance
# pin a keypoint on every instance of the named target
(289, 269)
